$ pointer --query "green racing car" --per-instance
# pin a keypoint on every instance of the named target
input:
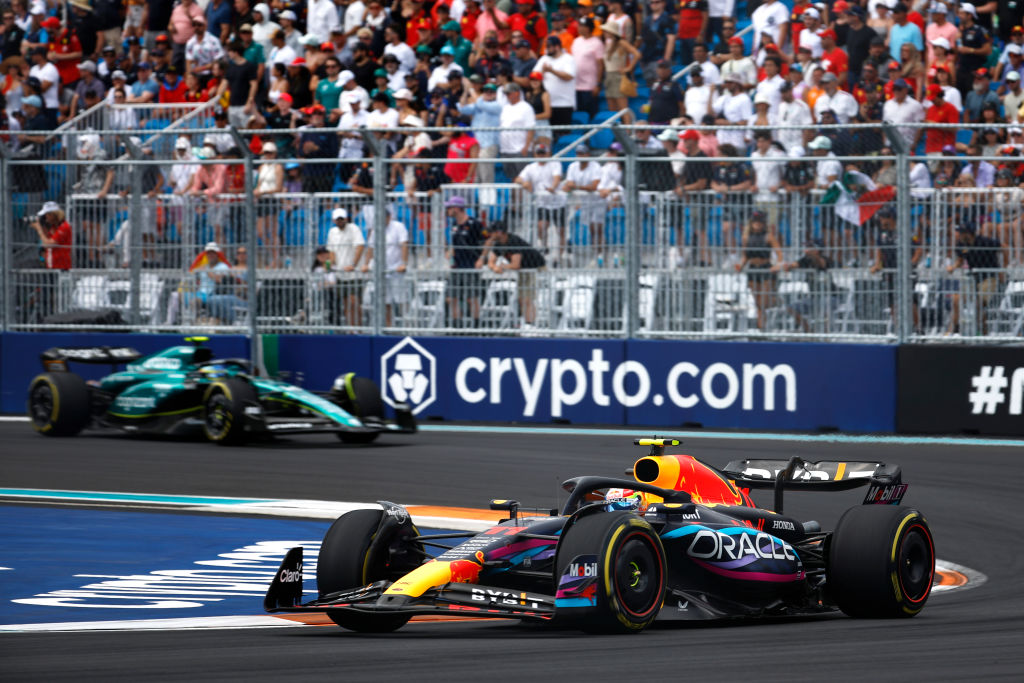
(185, 391)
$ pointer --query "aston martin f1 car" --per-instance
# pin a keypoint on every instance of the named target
(681, 541)
(185, 391)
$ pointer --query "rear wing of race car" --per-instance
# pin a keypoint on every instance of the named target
(885, 481)
(56, 359)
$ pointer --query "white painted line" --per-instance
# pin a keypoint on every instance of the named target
(13, 418)
(974, 577)
(182, 624)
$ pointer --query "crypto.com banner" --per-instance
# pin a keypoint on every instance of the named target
(953, 389)
(742, 385)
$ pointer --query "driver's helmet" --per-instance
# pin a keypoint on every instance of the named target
(625, 499)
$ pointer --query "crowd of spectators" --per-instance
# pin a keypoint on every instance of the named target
(522, 67)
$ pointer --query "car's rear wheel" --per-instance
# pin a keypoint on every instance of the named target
(58, 403)
(347, 561)
(629, 567)
(881, 562)
(224, 405)
(360, 396)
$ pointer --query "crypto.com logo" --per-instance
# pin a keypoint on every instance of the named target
(409, 375)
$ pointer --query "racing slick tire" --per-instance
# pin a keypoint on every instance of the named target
(224, 404)
(361, 397)
(58, 403)
(346, 561)
(881, 562)
(631, 571)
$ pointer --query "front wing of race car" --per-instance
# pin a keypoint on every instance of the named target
(454, 599)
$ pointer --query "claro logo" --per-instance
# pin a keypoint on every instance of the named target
(629, 384)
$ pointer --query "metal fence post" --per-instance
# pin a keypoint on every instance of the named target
(904, 315)
(380, 224)
(6, 243)
(135, 232)
(250, 244)
(632, 208)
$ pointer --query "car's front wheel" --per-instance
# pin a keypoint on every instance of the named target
(58, 404)
(627, 560)
(352, 556)
(881, 562)
(360, 396)
(224, 406)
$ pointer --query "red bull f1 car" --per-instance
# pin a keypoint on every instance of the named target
(681, 541)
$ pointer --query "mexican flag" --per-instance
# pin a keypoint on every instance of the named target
(857, 198)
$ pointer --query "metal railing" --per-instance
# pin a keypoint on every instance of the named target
(632, 255)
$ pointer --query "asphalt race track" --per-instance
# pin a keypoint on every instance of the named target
(970, 495)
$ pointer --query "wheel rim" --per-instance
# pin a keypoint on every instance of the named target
(638, 579)
(217, 416)
(916, 564)
(41, 404)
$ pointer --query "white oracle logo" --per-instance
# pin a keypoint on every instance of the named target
(409, 374)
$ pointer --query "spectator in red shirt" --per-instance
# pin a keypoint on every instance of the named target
(462, 146)
(65, 51)
(833, 58)
(55, 234)
(172, 87)
(693, 25)
(531, 22)
(941, 111)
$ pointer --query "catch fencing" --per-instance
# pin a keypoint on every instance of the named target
(641, 244)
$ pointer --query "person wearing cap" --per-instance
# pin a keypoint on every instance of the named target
(839, 101)
(280, 53)
(798, 181)
(487, 60)
(979, 97)
(202, 49)
(182, 174)
(55, 236)
(172, 87)
(732, 181)
(65, 51)
(208, 183)
(292, 36)
(696, 178)
(588, 54)
(620, 58)
(738, 66)
(504, 251)
(668, 100)
(985, 258)
(346, 244)
(89, 90)
(807, 37)
(1007, 203)
(1013, 98)
(394, 45)
(834, 58)
(732, 108)
(823, 296)
(493, 19)
(885, 261)
(49, 83)
(974, 47)
(903, 31)
(269, 181)
(941, 112)
(772, 18)
(580, 187)
(317, 145)
(1011, 61)
(460, 46)
(242, 78)
(145, 89)
(465, 254)
(793, 111)
(517, 122)
(558, 70)
(522, 59)
(939, 28)
(485, 111)
(904, 109)
(858, 39)
(542, 179)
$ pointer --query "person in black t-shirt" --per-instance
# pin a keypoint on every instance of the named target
(666, 96)
(974, 47)
(732, 182)
(695, 180)
(983, 256)
(798, 181)
(241, 76)
(822, 294)
(886, 260)
(521, 258)
(466, 257)
(858, 40)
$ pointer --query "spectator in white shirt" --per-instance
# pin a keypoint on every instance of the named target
(697, 98)
(543, 180)
(739, 64)
(558, 69)
(262, 27)
(768, 163)
(346, 243)
(839, 101)
(769, 86)
(904, 109)
(517, 122)
(770, 18)
(202, 49)
(581, 181)
(399, 48)
(793, 112)
(733, 108)
(321, 17)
